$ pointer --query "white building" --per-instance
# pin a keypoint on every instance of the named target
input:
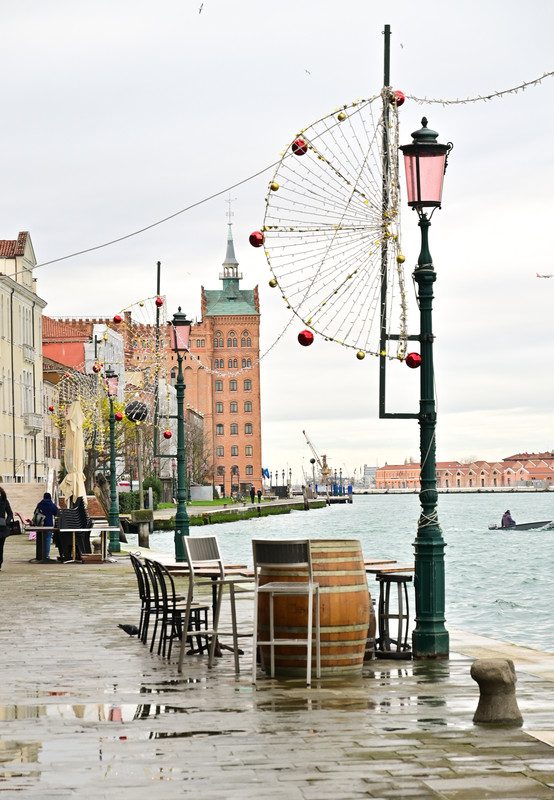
(21, 413)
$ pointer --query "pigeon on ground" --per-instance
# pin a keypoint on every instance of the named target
(132, 630)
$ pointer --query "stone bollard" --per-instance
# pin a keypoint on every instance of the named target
(497, 687)
(96, 545)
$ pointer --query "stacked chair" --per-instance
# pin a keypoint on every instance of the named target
(163, 609)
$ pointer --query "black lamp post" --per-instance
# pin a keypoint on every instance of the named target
(113, 518)
(425, 162)
(180, 331)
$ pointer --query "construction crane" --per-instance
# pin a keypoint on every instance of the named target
(321, 462)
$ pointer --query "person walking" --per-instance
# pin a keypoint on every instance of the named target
(252, 494)
(50, 510)
(6, 516)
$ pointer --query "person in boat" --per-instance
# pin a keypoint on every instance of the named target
(507, 520)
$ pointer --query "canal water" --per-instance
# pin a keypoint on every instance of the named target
(498, 584)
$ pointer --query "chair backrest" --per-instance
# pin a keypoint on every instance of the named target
(272, 553)
(203, 550)
(142, 577)
(153, 579)
(166, 584)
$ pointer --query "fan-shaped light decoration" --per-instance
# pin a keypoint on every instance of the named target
(167, 434)
(256, 239)
(305, 338)
(332, 232)
(299, 147)
(118, 415)
(413, 360)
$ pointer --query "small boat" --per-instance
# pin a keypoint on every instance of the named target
(523, 526)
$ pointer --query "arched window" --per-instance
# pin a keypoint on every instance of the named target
(219, 386)
(232, 386)
(248, 407)
(235, 450)
(230, 363)
(249, 342)
(219, 430)
(220, 452)
(248, 428)
(243, 362)
(235, 363)
(234, 408)
(249, 469)
(173, 376)
(234, 429)
(243, 342)
(248, 362)
(247, 385)
(219, 408)
(248, 450)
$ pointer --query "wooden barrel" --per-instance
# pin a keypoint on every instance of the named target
(338, 567)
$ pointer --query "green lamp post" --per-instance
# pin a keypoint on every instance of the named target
(180, 331)
(113, 518)
(425, 161)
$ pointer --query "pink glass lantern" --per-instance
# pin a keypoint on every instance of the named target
(179, 331)
(425, 161)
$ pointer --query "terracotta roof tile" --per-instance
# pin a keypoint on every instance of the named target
(54, 330)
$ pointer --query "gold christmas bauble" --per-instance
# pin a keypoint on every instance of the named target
(273, 283)
(400, 258)
(360, 355)
(274, 186)
(341, 117)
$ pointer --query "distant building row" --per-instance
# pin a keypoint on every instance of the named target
(520, 470)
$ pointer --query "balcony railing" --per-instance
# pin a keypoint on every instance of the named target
(32, 422)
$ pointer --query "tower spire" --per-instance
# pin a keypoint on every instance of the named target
(230, 265)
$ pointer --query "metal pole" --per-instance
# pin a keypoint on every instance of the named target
(156, 379)
(430, 638)
(384, 240)
(115, 547)
(181, 517)
(138, 431)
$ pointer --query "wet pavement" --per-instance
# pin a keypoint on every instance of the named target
(87, 711)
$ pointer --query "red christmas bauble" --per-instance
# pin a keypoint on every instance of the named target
(299, 147)
(413, 360)
(159, 302)
(118, 415)
(398, 98)
(167, 434)
(96, 368)
(117, 319)
(66, 375)
(256, 239)
(50, 408)
(305, 338)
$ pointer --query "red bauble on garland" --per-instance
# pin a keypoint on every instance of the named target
(96, 367)
(413, 360)
(305, 338)
(117, 319)
(256, 239)
(50, 408)
(299, 147)
(398, 98)
(118, 415)
(167, 434)
(159, 302)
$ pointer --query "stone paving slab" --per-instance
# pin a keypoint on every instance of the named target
(87, 711)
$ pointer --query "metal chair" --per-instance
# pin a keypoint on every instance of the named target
(277, 557)
(146, 601)
(203, 551)
(169, 609)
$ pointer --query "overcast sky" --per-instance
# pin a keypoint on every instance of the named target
(116, 115)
